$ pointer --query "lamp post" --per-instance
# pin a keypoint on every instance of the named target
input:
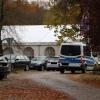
(9, 41)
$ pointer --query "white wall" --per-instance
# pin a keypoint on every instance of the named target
(39, 48)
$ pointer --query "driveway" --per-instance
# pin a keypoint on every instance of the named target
(19, 87)
(61, 82)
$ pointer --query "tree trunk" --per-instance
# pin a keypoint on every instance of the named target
(1, 23)
(1, 50)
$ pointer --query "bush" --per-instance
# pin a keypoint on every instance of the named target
(96, 70)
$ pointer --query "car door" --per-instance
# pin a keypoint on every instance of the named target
(18, 61)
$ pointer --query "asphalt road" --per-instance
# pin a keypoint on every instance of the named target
(61, 82)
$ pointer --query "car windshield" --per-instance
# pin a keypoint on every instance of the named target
(53, 58)
(38, 58)
(22, 57)
(10, 56)
(70, 50)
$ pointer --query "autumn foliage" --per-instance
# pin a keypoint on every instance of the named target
(25, 89)
(92, 7)
(23, 13)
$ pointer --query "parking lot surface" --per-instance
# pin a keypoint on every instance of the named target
(19, 87)
(53, 80)
(61, 82)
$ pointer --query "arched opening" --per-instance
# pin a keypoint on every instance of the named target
(29, 52)
(49, 51)
(8, 50)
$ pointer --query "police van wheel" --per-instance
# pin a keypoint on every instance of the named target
(72, 71)
(83, 71)
(2, 76)
(62, 71)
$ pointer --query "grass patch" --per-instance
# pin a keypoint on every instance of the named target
(17, 70)
(89, 78)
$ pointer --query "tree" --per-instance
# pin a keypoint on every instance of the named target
(5, 29)
(24, 13)
(85, 13)
(90, 10)
(61, 14)
(1, 23)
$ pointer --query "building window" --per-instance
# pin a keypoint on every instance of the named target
(29, 52)
(8, 50)
(49, 51)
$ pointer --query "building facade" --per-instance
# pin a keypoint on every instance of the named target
(32, 49)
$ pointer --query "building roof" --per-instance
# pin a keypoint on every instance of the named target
(40, 43)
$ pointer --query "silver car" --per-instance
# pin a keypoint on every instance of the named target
(39, 63)
(53, 63)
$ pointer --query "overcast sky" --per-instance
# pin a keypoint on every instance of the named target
(36, 33)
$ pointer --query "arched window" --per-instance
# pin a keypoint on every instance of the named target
(49, 51)
(8, 50)
(29, 52)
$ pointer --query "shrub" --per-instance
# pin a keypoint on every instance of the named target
(96, 70)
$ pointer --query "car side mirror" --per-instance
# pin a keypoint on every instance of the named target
(94, 55)
(16, 59)
(6, 58)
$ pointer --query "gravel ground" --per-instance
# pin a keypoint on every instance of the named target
(19, 87)
(34, 85)
(61, 82)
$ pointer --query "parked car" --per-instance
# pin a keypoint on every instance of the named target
(4, 69)
(16, 61)
(3, 61)
(53, 63)
(39, 63)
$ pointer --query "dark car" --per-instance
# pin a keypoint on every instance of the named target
(39, 63)
(53, 63)
(4, 68)
(16, 61)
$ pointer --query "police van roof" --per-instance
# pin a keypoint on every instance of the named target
(73, 43)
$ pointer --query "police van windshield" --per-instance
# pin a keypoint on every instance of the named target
(71, 50)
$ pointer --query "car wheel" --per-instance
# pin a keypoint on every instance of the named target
(62, 71)
(42, 68)
(2, 76)
(72, 71)
(12, 67)
(26, 68)
(83, 70)
(48, 69)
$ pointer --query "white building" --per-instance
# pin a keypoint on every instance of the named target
(34, 49)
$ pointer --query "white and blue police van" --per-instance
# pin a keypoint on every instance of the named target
(76, 56)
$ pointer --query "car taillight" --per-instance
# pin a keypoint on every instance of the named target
(48, 61)
(82, 60)
(58, 61)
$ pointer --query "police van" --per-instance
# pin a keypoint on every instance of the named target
(76, 56)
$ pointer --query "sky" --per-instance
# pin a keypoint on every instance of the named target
(35, 33)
